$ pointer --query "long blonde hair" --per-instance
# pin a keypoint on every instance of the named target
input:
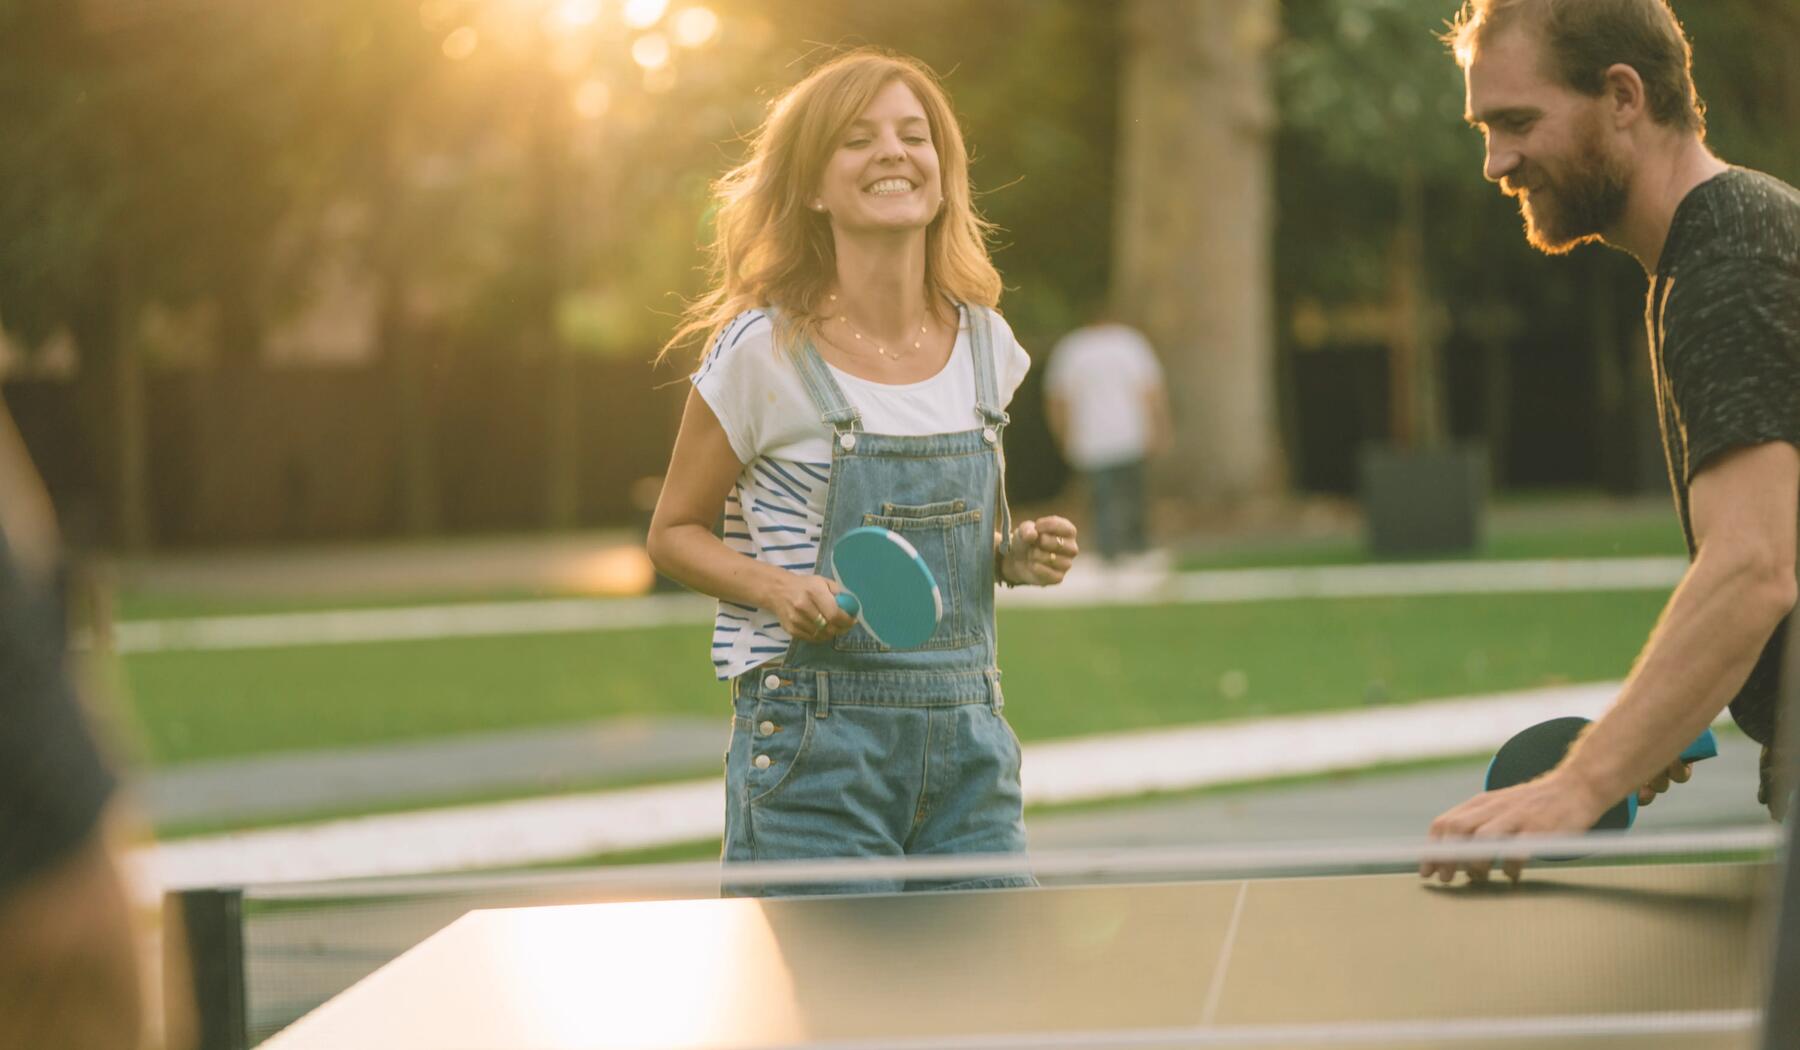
(770, 249)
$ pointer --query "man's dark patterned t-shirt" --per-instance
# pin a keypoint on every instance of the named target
(1724, 317)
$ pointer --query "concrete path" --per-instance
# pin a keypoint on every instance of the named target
(545, 761)
(566, 562)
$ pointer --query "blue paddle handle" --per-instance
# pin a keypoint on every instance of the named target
(847, 602)
(1703, 747)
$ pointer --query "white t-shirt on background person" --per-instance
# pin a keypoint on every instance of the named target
(1103, 373)
(776, 511)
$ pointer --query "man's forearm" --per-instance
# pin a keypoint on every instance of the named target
(1702, 650)
(69, 977)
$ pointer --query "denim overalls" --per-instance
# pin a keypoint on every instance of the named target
(849, 749)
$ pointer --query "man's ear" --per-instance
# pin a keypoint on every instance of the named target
(1624, 94)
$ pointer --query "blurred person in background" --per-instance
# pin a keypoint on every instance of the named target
(1592, 121)
(858, 374)
(1109, 412)
(69, 969)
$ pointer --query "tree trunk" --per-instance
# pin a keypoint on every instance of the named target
(408, 366)
(1192, 265)
(546, 241)
(1417, 419)
(133, 448)
(112, 402)
(406, 355)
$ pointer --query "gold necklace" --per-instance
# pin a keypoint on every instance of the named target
(882, 350)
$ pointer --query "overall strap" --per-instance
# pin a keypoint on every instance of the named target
(987, 381)
(982, 324)
(834, 408)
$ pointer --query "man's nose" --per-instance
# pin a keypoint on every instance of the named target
(1500, 162)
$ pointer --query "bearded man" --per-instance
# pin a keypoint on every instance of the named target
(1592, 122)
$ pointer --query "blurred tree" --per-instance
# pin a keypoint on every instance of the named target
(1375, 162)
(1192, 264)
(1369, 95)
(216, 158)
(152, 155)
(1744, 66)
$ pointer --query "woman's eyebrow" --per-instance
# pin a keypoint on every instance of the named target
(860, 122)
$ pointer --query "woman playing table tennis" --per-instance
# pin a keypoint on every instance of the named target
(858, 374)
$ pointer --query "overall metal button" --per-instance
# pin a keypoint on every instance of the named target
(762, 762)
(772, 682)
(988, 435)
(766, 729)
(847, 441)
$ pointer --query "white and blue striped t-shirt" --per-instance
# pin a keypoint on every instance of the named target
(776, 511)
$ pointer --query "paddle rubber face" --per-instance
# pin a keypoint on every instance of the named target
(1536, 750)
(887, 586)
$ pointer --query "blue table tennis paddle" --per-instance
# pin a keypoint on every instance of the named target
(1536, 750)
(887, 586)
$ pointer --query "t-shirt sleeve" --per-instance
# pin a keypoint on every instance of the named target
(1011, 362)
(733, 380)
(1732, 350)
(53, 781)
(1149, 369)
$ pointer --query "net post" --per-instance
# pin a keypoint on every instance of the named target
(1781, 1015)
(212, 934)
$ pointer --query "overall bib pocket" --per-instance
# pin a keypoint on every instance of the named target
(942, 533)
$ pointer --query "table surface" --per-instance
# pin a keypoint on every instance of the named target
(1208, 962)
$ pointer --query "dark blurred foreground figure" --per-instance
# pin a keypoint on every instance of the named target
(1592, 122)
(69, 975)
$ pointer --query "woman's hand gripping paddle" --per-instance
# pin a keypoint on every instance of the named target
(887, 586)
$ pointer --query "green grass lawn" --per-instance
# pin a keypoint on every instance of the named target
(1624, 536)
(1068, 671)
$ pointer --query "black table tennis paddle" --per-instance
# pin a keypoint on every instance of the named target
(1538, 749)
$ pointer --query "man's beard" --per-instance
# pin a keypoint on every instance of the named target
(1575, 208)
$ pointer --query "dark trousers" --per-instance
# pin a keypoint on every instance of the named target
(1770, 793)
(1118, 506)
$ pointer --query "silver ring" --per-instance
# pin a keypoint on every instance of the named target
(818, 623)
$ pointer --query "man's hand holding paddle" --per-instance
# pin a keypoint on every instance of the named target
(1535, 789)
(1557, 803)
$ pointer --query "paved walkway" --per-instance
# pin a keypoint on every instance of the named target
(425, 772)
(559, 563)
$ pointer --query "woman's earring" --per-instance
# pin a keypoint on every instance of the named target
(819, 206)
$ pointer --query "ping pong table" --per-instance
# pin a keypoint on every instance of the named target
(1657, 956)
